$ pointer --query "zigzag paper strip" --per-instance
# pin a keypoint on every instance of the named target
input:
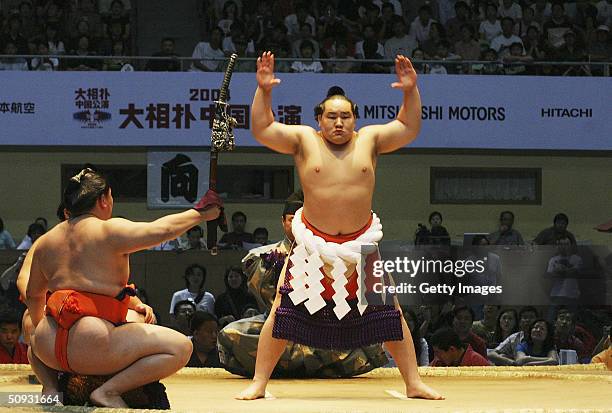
(315, 252)
(340, 292)
(298, 274)
(362, 303)
(314, 287)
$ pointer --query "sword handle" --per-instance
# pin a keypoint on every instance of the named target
(227, 77)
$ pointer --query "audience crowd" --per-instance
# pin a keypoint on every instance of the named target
(507, 36)
(80, 28)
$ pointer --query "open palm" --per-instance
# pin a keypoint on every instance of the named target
(265, 71)
(406, 75)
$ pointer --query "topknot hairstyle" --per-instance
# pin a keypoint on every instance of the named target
(334, 92)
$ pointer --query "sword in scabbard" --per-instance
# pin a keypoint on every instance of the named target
(221, 140)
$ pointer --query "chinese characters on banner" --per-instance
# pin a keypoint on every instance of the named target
(92, 106)
(181, 116)
(176, 179)
(18, 108)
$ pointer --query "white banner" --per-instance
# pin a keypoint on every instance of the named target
(175, 109)
(176, 179)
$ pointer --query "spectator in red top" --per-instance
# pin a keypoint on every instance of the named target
(565, 335)
(463, 317)
(11, 350)
(585, 336)
(450, 351)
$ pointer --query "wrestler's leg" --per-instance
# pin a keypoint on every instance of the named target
(46, 375)
(269, 351)
(404, 355)
(138, 353)
(27, 327)
(149, 352)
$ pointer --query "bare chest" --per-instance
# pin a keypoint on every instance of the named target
(351, 165)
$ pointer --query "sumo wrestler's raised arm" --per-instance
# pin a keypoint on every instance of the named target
(405, 128)
(127, 236)
(275, 135)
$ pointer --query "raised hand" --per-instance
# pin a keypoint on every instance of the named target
(209, 200)
(265, 72)
(210, 205)
(406, 75)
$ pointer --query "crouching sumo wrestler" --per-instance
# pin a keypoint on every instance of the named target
(79, 270)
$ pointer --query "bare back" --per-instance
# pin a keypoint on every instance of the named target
(77, 255)
(338, 181)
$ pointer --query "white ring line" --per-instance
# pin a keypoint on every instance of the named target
(397, 394)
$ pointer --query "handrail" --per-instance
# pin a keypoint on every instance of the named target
(186, 60)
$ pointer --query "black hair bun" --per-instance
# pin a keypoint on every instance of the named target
(335, 90)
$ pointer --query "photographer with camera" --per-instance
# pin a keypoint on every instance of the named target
(438, 235)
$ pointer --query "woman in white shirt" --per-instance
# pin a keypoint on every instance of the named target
(195, 277)
(306, 65)
(55, 45)
(491, 27)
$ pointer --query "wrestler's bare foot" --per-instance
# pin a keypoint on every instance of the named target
(102, 398)
(256, 390)
(49, 390)
(422, 391)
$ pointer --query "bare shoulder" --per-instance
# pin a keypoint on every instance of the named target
(43, 243)
(39, 254)
(308, 135)
(117, 221)
(368, 134)
(116, 224)
(307, 131)
(369, 131)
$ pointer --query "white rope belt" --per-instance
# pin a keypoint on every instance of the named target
(312, 252)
